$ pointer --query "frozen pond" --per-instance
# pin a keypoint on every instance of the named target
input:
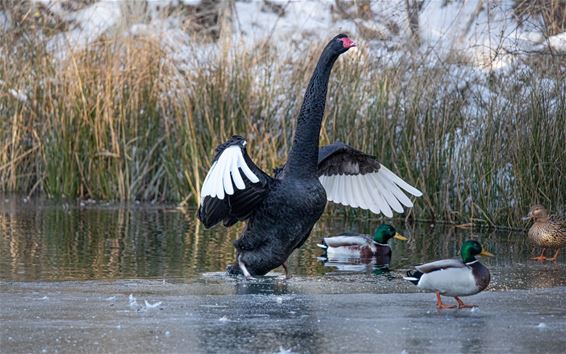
(67, 272)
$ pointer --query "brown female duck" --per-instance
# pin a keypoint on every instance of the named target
(548, 231)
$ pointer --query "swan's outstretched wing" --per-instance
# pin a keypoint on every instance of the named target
(233, 187)
(353, 178)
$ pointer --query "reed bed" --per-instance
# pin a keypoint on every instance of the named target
(122, 121)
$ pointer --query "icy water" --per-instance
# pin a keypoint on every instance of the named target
(46, 240)
(96, 277)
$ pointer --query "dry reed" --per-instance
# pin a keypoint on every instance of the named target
(121, 121)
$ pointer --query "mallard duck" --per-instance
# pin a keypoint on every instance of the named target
(281, 210)
(548, 231)
(454, 277)
(354, 245)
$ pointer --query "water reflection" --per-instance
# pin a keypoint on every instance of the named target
(341, 265)
(45, 240)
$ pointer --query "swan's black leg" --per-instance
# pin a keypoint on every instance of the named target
(286, 267)
(244, 269)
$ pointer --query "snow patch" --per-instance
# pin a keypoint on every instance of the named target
(19, 95)
(4, 22)
(488, 34)
(92, 21)
(558, 42)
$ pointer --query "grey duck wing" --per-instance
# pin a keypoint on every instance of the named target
(441, 264)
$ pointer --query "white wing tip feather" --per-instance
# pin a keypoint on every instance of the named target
(224, 174)
(383, 192)
(400, 182)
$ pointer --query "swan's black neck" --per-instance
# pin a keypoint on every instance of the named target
(303, 157)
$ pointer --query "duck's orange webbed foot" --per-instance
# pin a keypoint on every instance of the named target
(462, 305)
(440, 305)
(555, 256)
(540, 258)
(443, 306)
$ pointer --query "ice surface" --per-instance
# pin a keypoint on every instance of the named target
(312, 319)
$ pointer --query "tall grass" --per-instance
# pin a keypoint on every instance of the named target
(122, 121)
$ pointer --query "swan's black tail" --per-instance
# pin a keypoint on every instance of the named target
(413, 276)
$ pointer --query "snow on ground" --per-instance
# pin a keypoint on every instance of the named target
(485, 36)
(4, 21)
(303, 22)
(558, 42)
(486, 33)
(92, 21)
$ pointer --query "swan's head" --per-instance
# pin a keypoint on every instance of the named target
(385, 232)
(239, 140)
(341, 43)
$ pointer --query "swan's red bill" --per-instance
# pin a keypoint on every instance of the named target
(347, 42)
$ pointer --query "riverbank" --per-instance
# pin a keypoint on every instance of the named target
(122, 101)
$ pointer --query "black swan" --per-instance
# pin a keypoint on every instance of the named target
(282, 210)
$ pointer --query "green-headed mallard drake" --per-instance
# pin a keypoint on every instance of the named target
(548, 231)
(353, 245)
(454, 277)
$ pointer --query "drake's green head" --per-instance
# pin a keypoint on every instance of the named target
(470, 249)
(385, 232)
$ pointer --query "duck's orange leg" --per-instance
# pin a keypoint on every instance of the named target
(541, 258)
(462, 305)
(440, 305)
(555, 255)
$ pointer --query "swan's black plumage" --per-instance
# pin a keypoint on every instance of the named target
(282, 210)
(341, 159)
